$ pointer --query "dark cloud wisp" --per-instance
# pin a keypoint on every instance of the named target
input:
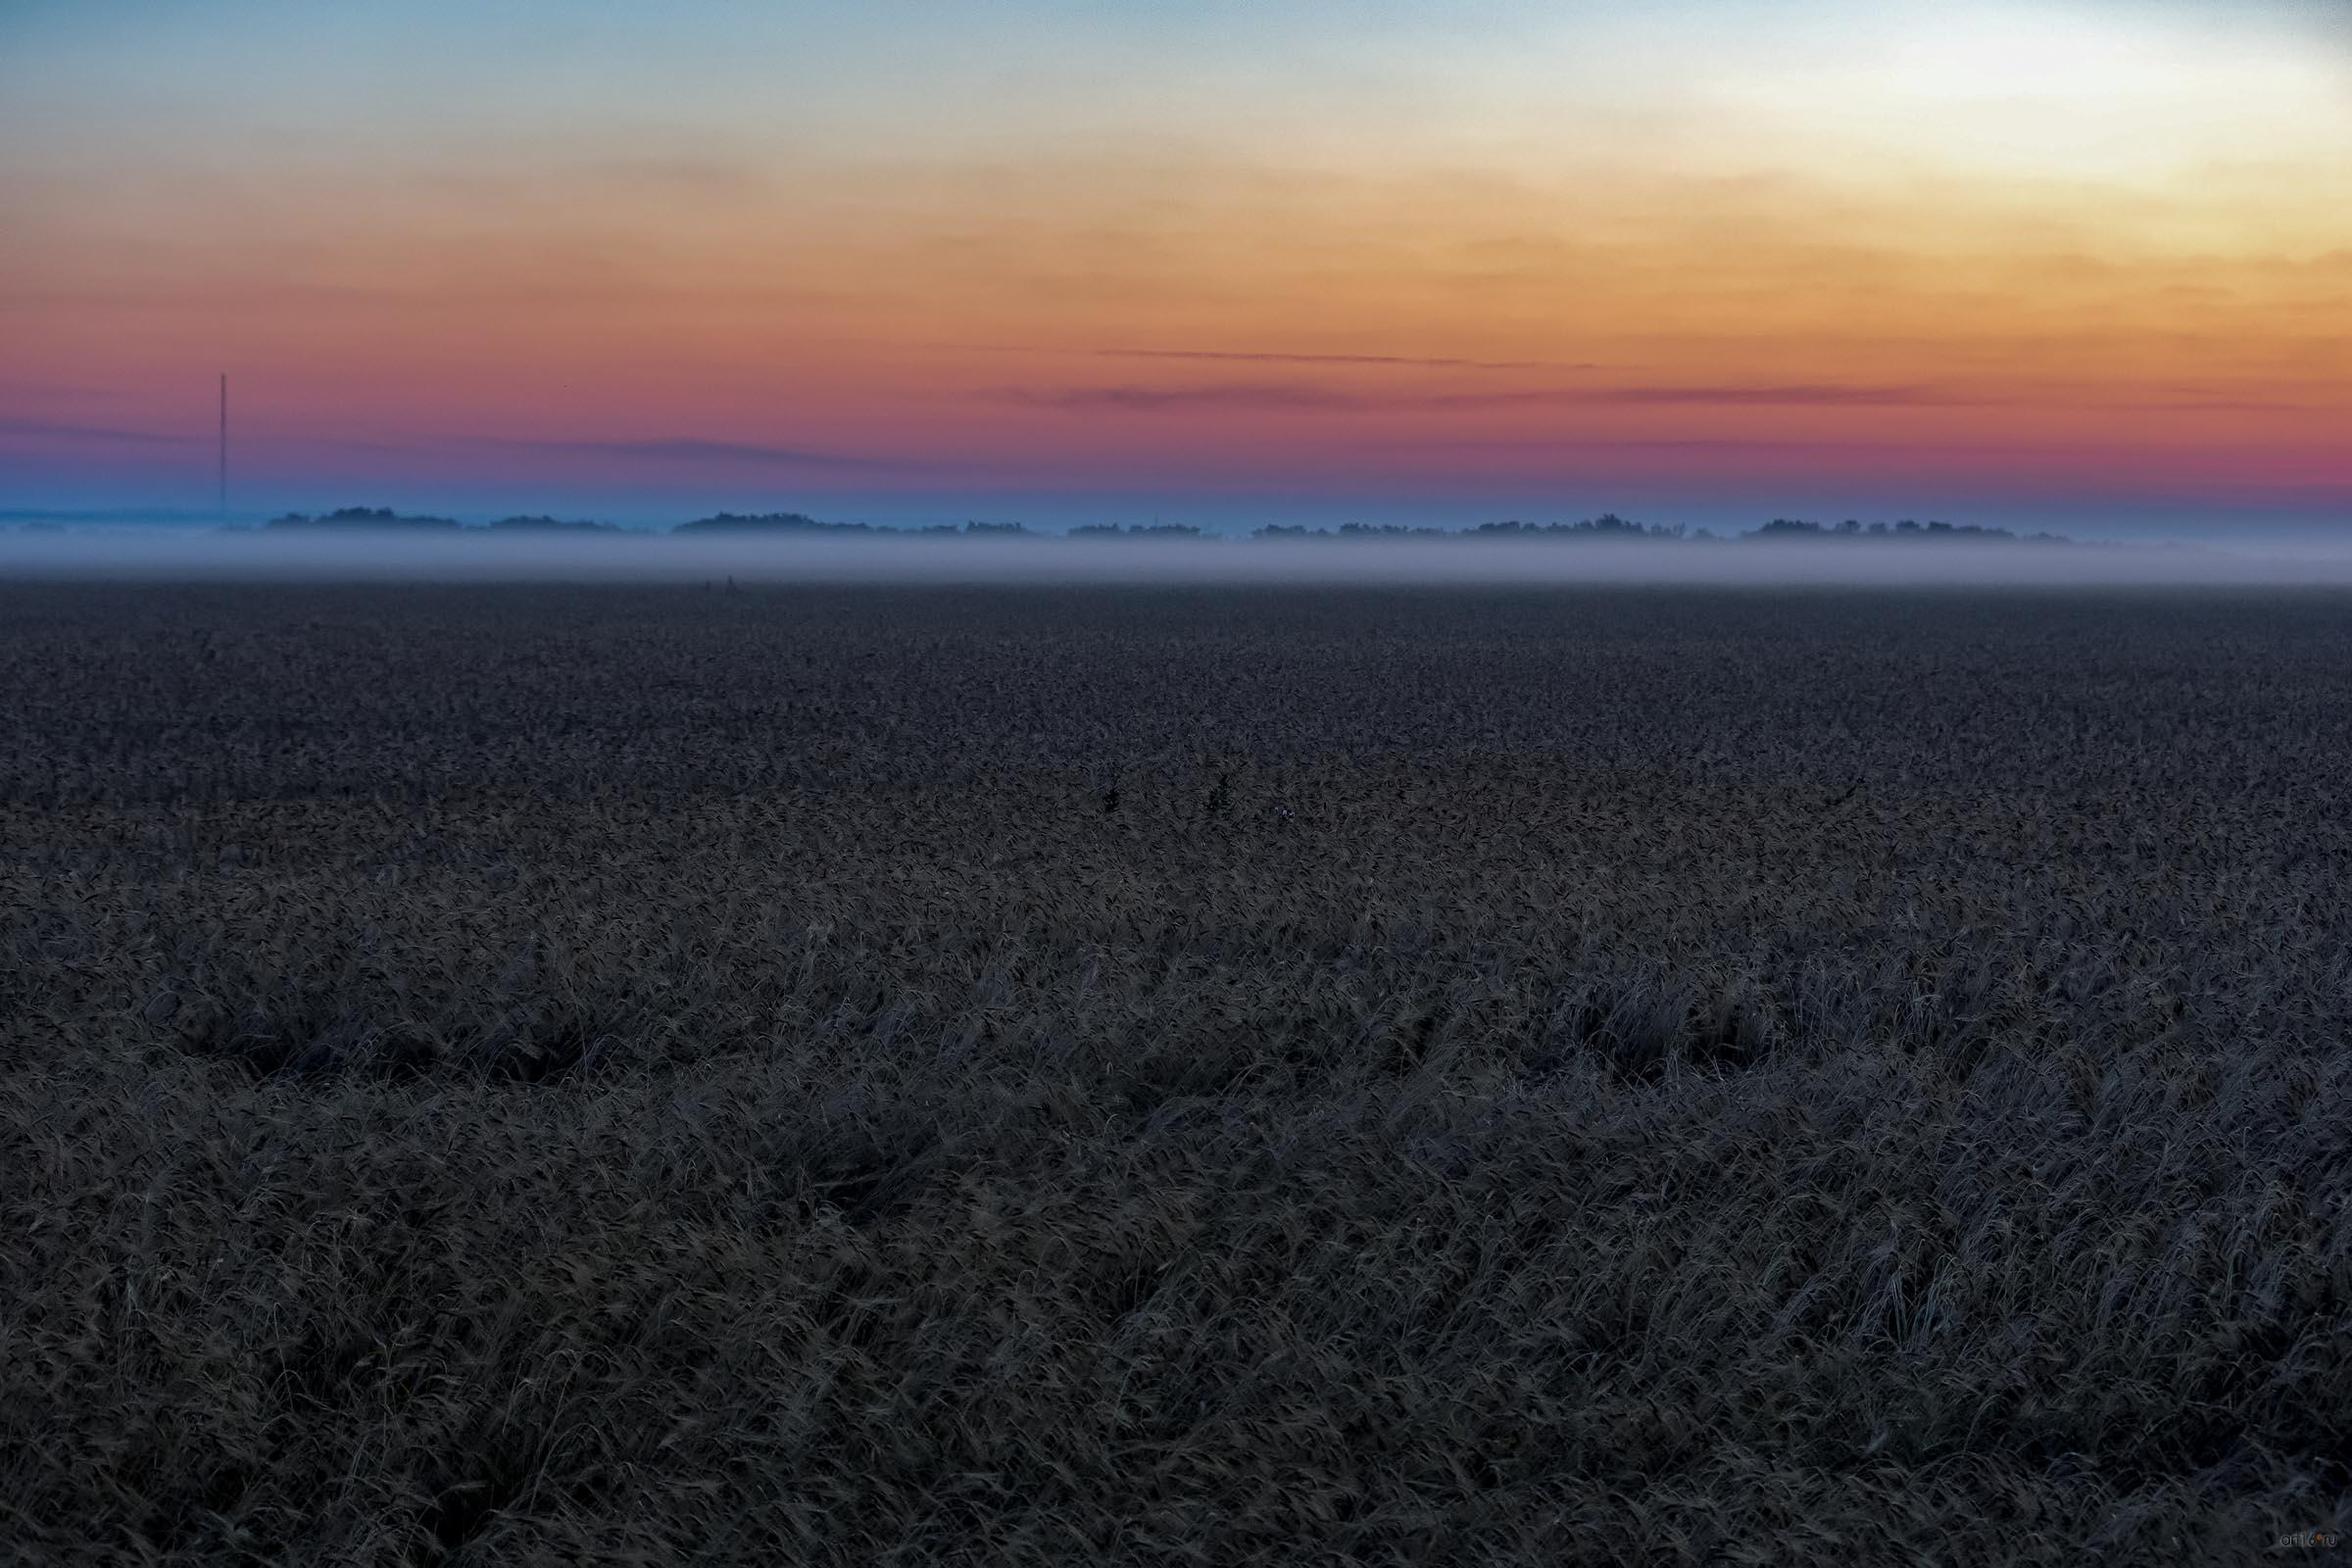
(1216, 395)
(688, 449)
(1318, 397)
(1269, 357)
(44, 430)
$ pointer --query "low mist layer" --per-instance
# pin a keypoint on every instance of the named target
(470, 555)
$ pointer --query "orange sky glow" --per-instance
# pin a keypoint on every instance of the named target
(1995, 263)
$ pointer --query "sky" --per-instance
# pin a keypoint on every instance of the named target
(2083, 264)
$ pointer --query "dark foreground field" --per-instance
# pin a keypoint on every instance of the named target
(540, 1074)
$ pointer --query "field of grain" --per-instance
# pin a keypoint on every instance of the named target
(1131, 1075)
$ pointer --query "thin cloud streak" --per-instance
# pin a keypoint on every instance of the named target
(1318, 397)
(1268, 356)
(687, 448)
(1226, 395)
(43, 430)
(1871, 395)
(52, 389)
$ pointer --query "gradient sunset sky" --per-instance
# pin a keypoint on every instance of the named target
(2083, 265)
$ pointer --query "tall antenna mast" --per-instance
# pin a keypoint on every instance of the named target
(224, 444)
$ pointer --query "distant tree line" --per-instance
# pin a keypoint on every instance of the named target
(554, 525)
(1797, 528)
(1158, 531)
(358, 517)
(385, 517)
(1608, 525)
(801, 522)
